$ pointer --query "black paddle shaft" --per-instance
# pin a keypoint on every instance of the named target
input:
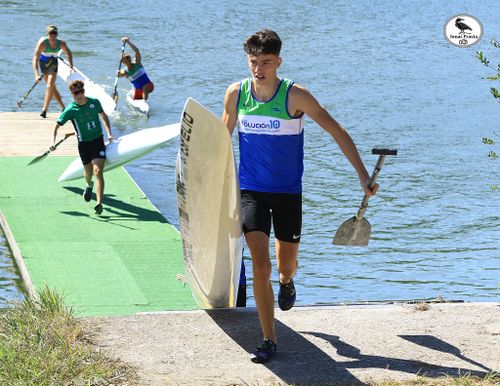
(115, 93)
(51, 149)
(20, 102)
(381, 153)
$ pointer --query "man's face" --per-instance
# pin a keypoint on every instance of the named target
(263, 66)
(52, 36)
(78, 93)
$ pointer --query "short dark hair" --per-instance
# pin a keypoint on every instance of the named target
(263, 42)
(76, 84)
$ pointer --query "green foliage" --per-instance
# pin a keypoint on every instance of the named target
(492, 154)
(42, 343)
(482, 58)
(494, 92)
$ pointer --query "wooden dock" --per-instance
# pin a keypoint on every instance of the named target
(28, 134)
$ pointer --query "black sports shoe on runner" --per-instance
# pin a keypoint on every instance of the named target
(286, 296)
(43, 114)
(87, 194)
(264, 352)
(98, 209)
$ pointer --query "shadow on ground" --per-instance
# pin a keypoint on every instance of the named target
(116, 209)
(299, 361)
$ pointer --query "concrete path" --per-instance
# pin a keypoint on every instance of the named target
(317, 345)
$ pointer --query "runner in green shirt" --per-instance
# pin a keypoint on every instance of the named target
(84, 113)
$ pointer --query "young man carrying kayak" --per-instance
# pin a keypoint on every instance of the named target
(84, 113)
(269, 112)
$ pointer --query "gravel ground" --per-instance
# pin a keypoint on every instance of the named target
(316, 345)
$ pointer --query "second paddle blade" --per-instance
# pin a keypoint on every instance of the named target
(38, 159)
(353, 232)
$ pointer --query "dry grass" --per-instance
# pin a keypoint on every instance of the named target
(42, 343)
(464, 380)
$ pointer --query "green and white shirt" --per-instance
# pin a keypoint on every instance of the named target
(85, 119)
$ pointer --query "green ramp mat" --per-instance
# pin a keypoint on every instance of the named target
(120, 263)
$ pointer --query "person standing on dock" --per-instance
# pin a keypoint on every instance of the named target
(136, 73)
(84, 113)
(47, 51)
(269, 112)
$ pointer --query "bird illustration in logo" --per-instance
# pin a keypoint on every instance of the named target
(462, 26)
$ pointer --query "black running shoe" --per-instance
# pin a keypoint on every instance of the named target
(264, 352)
(43, 114)
(98, 209)
(87, 194)
(286, 296)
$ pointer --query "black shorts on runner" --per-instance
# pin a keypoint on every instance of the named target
(91, 150)
(49, 67)
(284, 210)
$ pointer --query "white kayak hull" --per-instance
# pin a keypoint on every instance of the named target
(92, 89)
(127, 148)
(141, 105)
(208, 200)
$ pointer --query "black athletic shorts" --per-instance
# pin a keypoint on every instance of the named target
(90, 150)
(283, 209)
(49, 67)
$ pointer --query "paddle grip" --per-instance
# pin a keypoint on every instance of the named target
(58, 143)
(381, 153)
(52, 148)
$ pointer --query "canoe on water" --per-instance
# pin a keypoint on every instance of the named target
(140, 105)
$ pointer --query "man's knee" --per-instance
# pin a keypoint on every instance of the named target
(262, 269)
(51, 85)
(98, 169)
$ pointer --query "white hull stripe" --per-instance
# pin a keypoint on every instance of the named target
(137, 74)
(50, 54)
(255, 124)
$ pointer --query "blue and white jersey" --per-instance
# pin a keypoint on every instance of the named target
(50, 53)
(271, 142)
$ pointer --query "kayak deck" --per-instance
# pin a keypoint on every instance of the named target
(139, 105)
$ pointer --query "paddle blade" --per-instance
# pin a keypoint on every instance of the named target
(353, 232)
(115, 98)
(38, 159)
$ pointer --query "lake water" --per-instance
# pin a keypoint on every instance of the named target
(384, 71)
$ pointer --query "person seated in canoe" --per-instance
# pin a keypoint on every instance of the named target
(47, 51)
(135, 72)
